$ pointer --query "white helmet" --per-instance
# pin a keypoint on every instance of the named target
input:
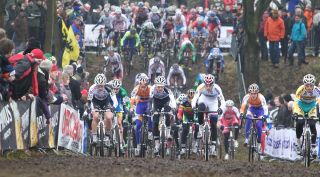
(229, 103)
(148, 25)
(209, 79)
(118, 10)
(309, 79)
(154, 9)
(253, 88)
(142, 77)
(100, 79)
(116, 83)
(160, 81)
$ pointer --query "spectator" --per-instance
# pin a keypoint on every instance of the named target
(12, 12)
(274, 31)
(308, 13)
(291, 6)
(227, 17)
(285, 40)
(261, 36)
(43, 21)
(2, 33)
(6, 69)
(298, 37)
(20, 28)
(43, 87)
(283, 118)
(33, 14)
(241, 43)
(316, 31)
(76, 27)
(299, 12)
(65, 89)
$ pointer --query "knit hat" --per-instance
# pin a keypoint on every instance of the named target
(46, 64)
(37, 53)
(54, 68)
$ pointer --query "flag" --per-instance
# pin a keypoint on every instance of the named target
(71, 50)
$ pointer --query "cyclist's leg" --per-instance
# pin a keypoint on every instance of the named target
(248, 124)
(312, 125)
(119, 119)
(140, 109)
(108, 120)
(94, 123)
(201, 107)
(259, 130)
(213, 126)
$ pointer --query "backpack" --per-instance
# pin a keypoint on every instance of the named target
(22, 64)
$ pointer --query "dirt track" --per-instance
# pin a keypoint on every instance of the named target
(75, 166)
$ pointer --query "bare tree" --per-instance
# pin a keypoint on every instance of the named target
(252, 17)
(51, 16)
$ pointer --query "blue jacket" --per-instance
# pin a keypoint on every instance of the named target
(299, 32)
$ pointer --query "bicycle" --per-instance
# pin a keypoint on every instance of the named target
(163, 133)
(253, 147)
(231, 148)
(206, 135)
(214, 63)
(100, 41)
(176, 87)
(128, 53)
(129, 134)
(187, 57)
(191, 126)
(306, 140)
(115, 143)
(147, 145)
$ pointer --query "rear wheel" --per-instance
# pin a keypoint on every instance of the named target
(143, 141)
(117, 143)
(162, 143)
(206, 137)
(189, 145)
(251, 148)
(231, 148)
(101, 140)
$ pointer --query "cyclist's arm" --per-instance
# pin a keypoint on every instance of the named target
(195, 98)
(244, 103)
(172, 103)
(99, 22)
(236, 110)
(194, 52)
(182, 48)
(137, 40)
(183, 76)
(220, 97)
(125, 36)
(263, 104)
(169, 76)
(300, 91)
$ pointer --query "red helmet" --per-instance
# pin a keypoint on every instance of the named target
(208, 79)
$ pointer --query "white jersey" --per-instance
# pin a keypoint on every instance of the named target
(173, 72)
(95, 93)
(156, 68)
(209, 98)
(167, 92)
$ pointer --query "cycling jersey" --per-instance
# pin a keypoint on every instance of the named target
(141, 16)
(106, 21)
(183, 48)
(115, 62)
(120, 23)
(185, 112)
(156, 96)
(123, 100)
(306, 102)
(307, 97)
(199, 80)
(128, 40)
(180, 24)
(101, 98)
(156, 68)
(178, 72)
(209, 97)
(259, 102)
(229, 118)
(156, 19)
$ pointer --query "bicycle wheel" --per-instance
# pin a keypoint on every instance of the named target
(219, 145)
(101, 140)
(117, 143)
(189, 145)
(250, 147)
(99, 45)
(163, 140)
(231, 148)
(143, 141)
(307, 149)
(206, 138)
(129, 142)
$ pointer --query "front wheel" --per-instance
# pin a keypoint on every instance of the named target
(307, 150)
(206, 137)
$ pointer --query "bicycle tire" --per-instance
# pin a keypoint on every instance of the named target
(118, 143)
(101, 138)
(231, 148)
(163, 139)
(250, 147)
(219, 145)
(99, 46)
(189, 145)
(143, 141)
(129, 143)
(307, 151)
(206, 137)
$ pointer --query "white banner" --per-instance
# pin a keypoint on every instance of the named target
(71, 129)
(281, 143)
(91, 37)
(225, 37)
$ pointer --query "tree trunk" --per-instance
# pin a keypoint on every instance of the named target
(51, 9)
(252, 19)
(2, 12)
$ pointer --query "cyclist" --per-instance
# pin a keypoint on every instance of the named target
(176, 74)
(156, 68)
(155, 17)
(161, 97)
(168, 28)
(199, 80)
(207, 97)
(120, 24)
(198, 27)
(140, 98)
(140, 16)
(187, 49)
(105, 20)
(306, 102)
(192, 17)
(215, 55)
(123, 104)
(147, 34)
(185, 114)
(179, 23)
(213, 24)
(116, 65)
(257, 106)
(101, 97)
(230, 117)
(130, 40)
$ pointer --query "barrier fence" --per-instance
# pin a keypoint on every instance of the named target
(23, 126)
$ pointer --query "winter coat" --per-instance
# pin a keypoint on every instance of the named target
(33, 14)
(274, 30)
(299, 32)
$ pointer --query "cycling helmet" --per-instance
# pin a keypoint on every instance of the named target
(209, 79)
(212, 14)
(182, 97)
(117, 11)
(229, 103)
(140, 4)
(178, 13)
(148, 25)
(216, 51)
(199, 20)
(154, 9)
(100, 79)
(111, 49)
(175, 67)
(170, 18)
(309, 79)
(157, 59)
(193, 11)
(191, 92)
(143, 77)
(253, 88)
(160, 81)
(116, 83)
(128, 10)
